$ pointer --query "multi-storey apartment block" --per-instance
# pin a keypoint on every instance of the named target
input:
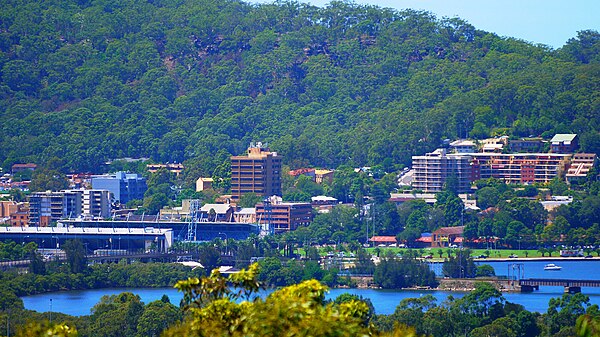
(123, 186)
(432, 170)
(46, 207)
(258, 172)
(95, 203)
(518, 168)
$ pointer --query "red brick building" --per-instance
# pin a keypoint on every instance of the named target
(284, 216)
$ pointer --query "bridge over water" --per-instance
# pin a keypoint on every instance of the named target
(571, 286)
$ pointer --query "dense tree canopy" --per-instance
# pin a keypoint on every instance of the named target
(88, 81)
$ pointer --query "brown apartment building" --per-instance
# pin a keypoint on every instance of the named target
(258, 172)
(433, 169)
(284, 216)
(518, 168)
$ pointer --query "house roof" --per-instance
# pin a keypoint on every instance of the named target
(323, 198)
(321, 172)
(246, 210)
(390, 239)
(219, 208)
(300, 171)
(29, 165)
(403, 197)
(458, 230)
(462, 142)
(425, 239)
(563, 137)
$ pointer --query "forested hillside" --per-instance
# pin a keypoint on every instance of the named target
(196, 80)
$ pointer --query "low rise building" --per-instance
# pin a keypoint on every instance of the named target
(400, 198)
(20, 218)
(581, 164)
(283, 216)
(203, 184)
(8, 207)
(22, 167)
(530, 145)
(323, 200)
(245, 215)
(309, 172)
(217, 212)
(463, 146)
(447, 236)
(14, 213)
(383, 240)
(492, 148)
(323, 176)
(173, 168)
(564, 143)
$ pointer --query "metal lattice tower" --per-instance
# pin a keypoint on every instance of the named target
(193, 219)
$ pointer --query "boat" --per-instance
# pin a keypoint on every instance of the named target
(552, 266)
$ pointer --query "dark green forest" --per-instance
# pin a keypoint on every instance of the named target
(196, 81)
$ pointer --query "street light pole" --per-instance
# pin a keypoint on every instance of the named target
(225, 234)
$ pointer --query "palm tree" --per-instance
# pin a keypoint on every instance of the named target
(440, 252)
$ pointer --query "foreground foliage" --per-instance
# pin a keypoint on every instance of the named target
(237, 306)
(298, 310)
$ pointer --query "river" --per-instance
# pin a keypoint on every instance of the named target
(79, 302)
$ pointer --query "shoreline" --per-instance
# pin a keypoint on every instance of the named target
(546, 258)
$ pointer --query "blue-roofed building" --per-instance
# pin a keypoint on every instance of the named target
(124, 186)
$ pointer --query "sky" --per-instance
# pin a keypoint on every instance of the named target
(549, 22)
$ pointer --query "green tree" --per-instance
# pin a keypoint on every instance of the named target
(47, 180)
(76, 256)
(116, 315)
(250, 200)
(460, 266)
(485, 270)
(36, 264)
(210, 258)
(157, 317)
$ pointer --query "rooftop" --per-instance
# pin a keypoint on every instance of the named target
(462, 142)
(322, 171)
(563, 137)
(219, 208)
(458, 230)
(390, 239)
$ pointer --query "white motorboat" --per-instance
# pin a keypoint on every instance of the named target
(552, 266)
